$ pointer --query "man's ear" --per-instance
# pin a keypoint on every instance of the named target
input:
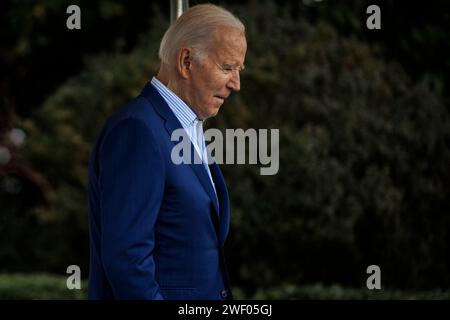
(184, 62)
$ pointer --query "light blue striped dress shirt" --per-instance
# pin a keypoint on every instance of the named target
(188, 119)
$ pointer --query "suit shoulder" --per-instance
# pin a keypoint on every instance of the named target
(139, 111)
(139, 108)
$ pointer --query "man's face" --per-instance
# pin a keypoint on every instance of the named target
(213, 78)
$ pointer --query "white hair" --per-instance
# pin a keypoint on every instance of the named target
(194, 29)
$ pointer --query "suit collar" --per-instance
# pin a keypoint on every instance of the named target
(181, 110)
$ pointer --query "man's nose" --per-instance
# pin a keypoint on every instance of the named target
(235, 81)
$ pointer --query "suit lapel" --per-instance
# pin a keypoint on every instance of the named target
(171, 124)
(222, 194)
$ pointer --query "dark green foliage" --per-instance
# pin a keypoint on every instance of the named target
(51, 287)
(337, 292)
(38, 287)
(364, 155)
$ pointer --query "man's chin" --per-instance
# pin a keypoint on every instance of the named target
(213, 111)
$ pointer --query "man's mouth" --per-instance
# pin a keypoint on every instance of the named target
(221, 97)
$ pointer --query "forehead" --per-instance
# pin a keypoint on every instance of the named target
(228, 43)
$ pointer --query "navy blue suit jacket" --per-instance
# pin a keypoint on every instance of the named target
(156, 229)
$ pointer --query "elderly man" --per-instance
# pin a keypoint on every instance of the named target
(157, 228)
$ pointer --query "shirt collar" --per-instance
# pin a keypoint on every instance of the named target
(181, 110)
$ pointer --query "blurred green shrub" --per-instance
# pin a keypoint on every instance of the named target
(364, 154)
(53, 287)
(38, 286)
(337, 292)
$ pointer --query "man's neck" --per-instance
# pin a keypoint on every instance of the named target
(163, 75)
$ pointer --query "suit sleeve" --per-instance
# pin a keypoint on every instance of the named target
(131, 184)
